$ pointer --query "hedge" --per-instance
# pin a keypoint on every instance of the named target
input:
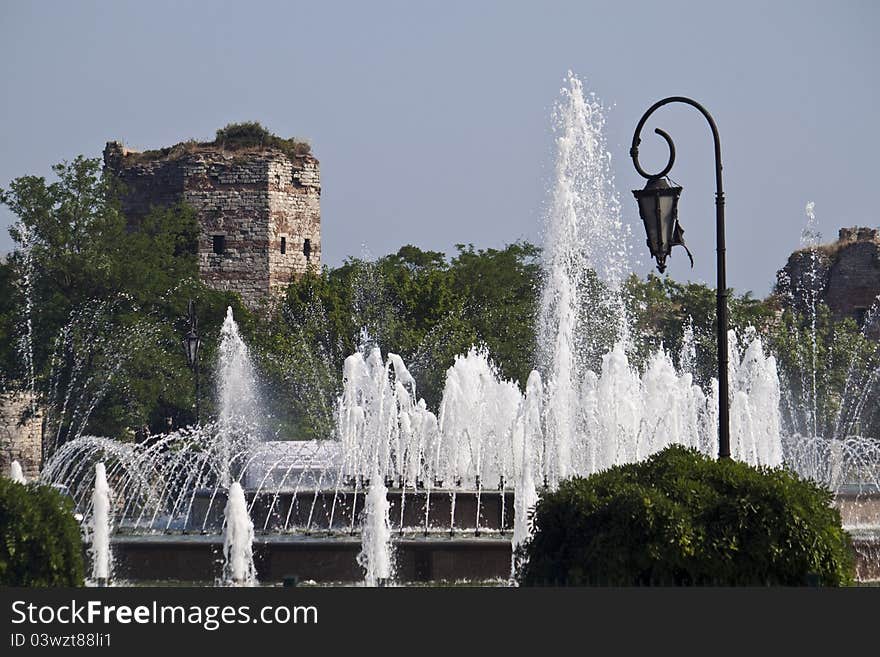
(681, 518)
(40, 541)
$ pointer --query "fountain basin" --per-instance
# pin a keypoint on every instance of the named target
(341, 510)
(322, 559)
(328, 555)
(328, 510)
(332, 559)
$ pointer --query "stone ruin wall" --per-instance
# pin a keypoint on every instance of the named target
(847, 272)
(21, 434)
(295, 214)
(231, 199)
(252, 198)
(854, 276)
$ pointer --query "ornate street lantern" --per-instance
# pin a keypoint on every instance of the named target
(191, 344)
(658, 208)
(191, 341)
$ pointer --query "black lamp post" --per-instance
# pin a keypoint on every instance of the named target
(191, 344)
(658, 208)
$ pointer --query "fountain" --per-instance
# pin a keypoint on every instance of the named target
(16, 473)
(25, 284)
(526, 435)
(822, 431)
(584, 238)
(100, 528)
(238, 539)
(240, 416)
(400, 491)
(375, 556)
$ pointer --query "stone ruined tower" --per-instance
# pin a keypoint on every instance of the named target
(258, 209)
(21, 432)
(845, 274)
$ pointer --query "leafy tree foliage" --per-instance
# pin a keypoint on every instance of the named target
(682, 518)
(829, 372)
(662, 309)
(40, 542)
(252, 134)
(9, 306)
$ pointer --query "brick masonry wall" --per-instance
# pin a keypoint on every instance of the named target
(251, 198)
(847, 272)
(295, 214)
(20, 441)
(231, 198)
(854, 278)
(795, 278)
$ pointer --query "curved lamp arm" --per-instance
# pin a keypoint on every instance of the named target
(634, 150)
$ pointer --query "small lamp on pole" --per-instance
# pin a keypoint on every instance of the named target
(191, 344)
(658, 208)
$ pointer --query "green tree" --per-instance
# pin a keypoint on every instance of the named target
(500, 289)
(829, 373)
(10, 367)
(661, 309)
(40, 543)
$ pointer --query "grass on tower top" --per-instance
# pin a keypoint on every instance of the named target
(245, 137)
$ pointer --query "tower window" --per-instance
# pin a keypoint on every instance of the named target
(219, 244)
(283, 245)
(307, 248)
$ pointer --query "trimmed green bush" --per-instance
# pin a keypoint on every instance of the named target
(40, 541)
(681, 518)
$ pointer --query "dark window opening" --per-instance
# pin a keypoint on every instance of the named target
(219, 244)
(307, 248)
(283, 245)
(861, 314)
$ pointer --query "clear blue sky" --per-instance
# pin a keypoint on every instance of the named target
(431, 120)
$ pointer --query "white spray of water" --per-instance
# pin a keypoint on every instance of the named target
(375, 556)
(810, 240)
(27, 286)
(477, 414)
(102, 558)
(526, 436)
(381, 424)
(240, 415)
(237, 395)
(583, 233)
(489, 432)
(386, 432)
(16, 473)
(238, 540)
(810, 409)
